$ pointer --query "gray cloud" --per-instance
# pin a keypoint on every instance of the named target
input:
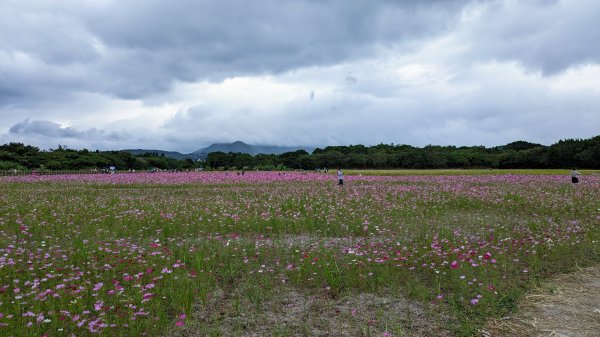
(48, 129)
(133, 49)
(547, 36)
(44, 128)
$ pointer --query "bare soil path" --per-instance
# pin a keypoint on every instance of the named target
(566, 305)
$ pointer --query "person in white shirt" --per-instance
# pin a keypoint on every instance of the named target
(340, 175)
(575, 176)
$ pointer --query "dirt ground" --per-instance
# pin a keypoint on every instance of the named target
(566, 305)
(291, 313)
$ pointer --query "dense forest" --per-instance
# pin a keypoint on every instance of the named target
(570, 153)
(17, 156)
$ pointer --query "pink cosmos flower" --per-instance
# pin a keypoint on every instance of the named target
(454, 264)
(98, 285)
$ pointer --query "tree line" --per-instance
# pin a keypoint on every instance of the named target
(569, 153)
(17, 156)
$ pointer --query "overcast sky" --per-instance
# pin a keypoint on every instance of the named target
(180, 75)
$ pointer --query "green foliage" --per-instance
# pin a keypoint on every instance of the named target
(10, 165)
(23, 157)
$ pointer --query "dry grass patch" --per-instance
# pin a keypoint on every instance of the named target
(566, 305)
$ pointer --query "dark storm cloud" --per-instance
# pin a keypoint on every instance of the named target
(136, 48)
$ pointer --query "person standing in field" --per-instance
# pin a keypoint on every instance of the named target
(340, 175)
(575, 176)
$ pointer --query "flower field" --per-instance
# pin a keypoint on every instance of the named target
(193, 253)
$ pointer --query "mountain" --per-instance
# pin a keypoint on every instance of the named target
(246, 148)
(225, 147)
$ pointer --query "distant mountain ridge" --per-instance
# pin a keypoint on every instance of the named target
(169, 154)
(235, 147)
(242, 147)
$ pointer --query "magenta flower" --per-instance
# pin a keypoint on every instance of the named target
(147, 297)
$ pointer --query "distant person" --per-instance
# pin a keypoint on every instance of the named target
(575, 176)
(340, 175)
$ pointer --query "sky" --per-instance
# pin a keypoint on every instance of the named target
(181, 75)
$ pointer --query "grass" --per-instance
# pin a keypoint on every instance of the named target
(427, 172)
(208, 254)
